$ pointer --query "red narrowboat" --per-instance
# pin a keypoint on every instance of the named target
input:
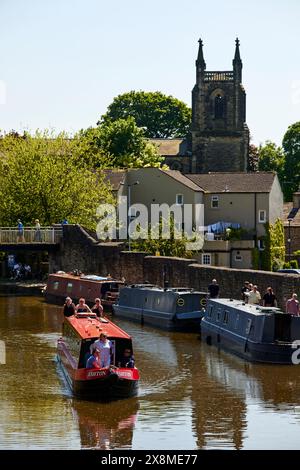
(73, 349)
(91, 286)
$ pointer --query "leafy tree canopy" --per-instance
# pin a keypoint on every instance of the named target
(159, 115)
(291, 146)
(271, 158)
(119, 144)
(43, 176)
(155, 242)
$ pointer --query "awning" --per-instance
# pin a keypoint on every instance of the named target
(220, 227)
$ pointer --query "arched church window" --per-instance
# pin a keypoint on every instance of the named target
(219, 107)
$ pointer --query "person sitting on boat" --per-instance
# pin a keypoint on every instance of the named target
(82, 306)
(254, 296)
(98, 308)
(292, 306)
(93, 361)
(69, 307)
(127, 360)
(105, 348)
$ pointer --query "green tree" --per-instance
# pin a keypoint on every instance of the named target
(43, 176)
(271, 158)
(174, 244)
(119, 144)
(291, 146)
(161, 116)
(273, 255)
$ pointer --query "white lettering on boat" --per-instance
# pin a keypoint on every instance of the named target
(97, 373)
(124, 373)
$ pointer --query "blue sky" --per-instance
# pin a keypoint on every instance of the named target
(63, 61)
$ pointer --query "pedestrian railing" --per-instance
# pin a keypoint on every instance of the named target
(30, 235)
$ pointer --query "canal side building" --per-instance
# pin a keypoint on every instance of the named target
(246, 200)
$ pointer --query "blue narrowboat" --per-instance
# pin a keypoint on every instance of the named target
(168, 308)
(255, 333)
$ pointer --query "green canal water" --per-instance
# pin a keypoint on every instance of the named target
(191, 396)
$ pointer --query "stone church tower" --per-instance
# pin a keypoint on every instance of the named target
(219, 133)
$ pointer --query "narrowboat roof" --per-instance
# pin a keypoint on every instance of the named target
(85, 278)
(248, 308)
(152, 287)
(91, 327)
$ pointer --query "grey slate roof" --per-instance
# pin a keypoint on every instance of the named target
(178, 176)
(259, 182)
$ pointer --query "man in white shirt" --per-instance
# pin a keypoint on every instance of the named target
(254, 296)
(105, 347)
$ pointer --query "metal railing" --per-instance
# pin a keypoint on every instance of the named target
(30, 235)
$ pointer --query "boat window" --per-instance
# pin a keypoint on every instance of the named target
(158, 301)
(209, 312)
(226, 316)
(248, 327)
(236, 321)
(55, 285)
(219, 311)
(69, 287)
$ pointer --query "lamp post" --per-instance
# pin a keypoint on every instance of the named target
(128, 210)
(289, 238)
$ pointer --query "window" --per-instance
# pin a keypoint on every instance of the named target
(262, 216)
(248, 326)
(206, 258)
(238, 256)
(55, 285)
(219, 107)
(209, 312)
(219, 311)
(226, 317)
(260, 245)
(179, 199)
(237, 321)
(69, 287)
(215, 202)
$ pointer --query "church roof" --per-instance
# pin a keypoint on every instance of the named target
(259, 182)
(167, 147)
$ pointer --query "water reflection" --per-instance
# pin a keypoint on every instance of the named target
(276, 386)
(191, 396)
(106, 426)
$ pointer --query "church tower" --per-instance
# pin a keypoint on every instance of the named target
(219, 133)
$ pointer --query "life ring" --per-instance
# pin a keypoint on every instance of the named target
(180, 302)
(203, 302)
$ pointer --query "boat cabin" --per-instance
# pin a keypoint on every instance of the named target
(263, 324)
(81, 330)
(60, 285)
(169, 307)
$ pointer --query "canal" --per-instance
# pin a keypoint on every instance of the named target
(191, 396)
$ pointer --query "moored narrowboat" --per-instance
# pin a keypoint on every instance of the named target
(255, 333)
(80, 331)
(168, 308)
(91, 286)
